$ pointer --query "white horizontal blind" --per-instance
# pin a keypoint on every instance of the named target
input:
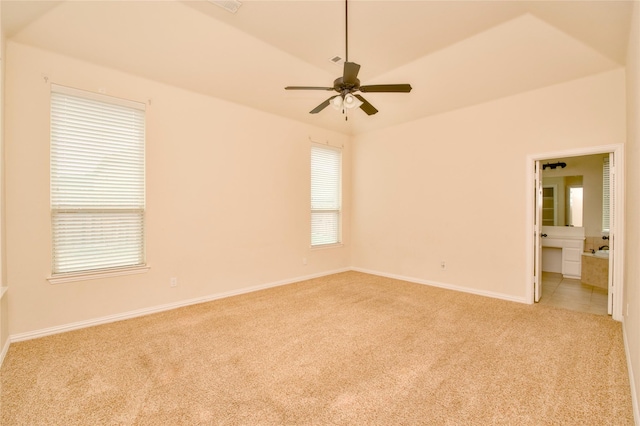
(97, 181)
(606, 195)
(326, 165)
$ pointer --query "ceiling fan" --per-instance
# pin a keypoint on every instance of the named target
(348, 85)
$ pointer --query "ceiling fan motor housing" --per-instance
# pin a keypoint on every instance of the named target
(341, 87)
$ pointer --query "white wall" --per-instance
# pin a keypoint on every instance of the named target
(453, 186)
(227, 196)
(632, 266)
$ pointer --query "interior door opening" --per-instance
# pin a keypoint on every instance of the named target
(575, 231)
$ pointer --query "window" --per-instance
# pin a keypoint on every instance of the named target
(326, 165)
(97, 181)
(575, 206)
(606, 195)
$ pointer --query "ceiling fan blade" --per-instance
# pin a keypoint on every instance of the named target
(307, 88)
(350, 75)
(366, 106)
(322, 106)
(393, 88)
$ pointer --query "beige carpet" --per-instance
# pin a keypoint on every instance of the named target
(349, 349)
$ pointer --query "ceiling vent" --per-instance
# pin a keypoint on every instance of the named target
(228, 5)
(337, 60)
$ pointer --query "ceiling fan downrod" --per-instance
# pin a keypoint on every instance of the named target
(348, 85)
(346, 31)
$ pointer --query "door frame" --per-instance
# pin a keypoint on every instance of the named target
(538, 214)
(618, 217)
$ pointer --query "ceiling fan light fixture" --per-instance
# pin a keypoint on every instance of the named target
(351, 101)
(344, 102)
(336, 103)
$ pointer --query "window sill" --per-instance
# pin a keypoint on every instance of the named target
(326, 246)
(84, 276)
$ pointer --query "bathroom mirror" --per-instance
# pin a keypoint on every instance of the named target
(562, 200)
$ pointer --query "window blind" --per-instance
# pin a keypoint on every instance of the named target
(326, 164)
(606, 195)
(97, 181)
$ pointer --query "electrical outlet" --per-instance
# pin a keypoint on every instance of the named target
(173, 282)
(304, 260)
(443, 265)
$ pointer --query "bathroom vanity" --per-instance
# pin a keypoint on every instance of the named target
(562, 249)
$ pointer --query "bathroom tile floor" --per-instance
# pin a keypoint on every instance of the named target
(571, 294)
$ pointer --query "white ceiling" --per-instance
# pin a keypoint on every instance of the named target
(453, 53)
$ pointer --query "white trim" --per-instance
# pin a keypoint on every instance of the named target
(461, 289)
(5, 349)
(529, 229)
(96, 275)
(618, 254)
(65, 90)
(326, 246)
(327, 145)
(155, 309)
(632, 381)
(578, 152)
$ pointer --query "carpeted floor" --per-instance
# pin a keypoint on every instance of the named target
(348, 349)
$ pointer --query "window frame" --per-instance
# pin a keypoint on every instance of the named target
(139, 210)
(337, 210)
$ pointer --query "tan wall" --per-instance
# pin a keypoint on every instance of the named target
(632, 266)
(227, 197)
(4, 308)
(454, 185)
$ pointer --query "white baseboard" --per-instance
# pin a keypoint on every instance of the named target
(5, 349)
(632, 381)
(155, 309)
(491, 294)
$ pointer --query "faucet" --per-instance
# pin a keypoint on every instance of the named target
(603, 247)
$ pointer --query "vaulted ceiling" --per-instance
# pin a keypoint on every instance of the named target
(454, 53)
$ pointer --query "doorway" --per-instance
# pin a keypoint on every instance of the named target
(565, 229)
